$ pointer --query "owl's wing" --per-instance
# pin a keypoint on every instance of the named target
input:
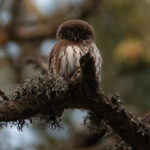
(95, 52)
(51, 61)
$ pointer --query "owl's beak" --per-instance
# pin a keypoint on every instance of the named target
(75, 38)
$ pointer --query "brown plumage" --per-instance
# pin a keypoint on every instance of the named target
(75, 39)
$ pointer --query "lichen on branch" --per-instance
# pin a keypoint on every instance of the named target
(38, 96)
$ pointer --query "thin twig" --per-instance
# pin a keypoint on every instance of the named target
(38, 62)
(3, 96)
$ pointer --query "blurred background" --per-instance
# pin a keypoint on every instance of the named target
(122, 33)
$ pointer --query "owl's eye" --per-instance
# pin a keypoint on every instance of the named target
(68, 34)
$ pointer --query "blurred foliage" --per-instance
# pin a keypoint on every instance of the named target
(122, 35)
(121, 32)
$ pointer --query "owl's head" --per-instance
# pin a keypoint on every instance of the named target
(75, 30)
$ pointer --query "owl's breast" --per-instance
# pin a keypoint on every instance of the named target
(70, 60)
(65, 60)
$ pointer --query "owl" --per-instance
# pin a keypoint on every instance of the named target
(75, 38)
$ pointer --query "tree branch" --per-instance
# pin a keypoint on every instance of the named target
(47, 97)
(38, 62)
(3, 96)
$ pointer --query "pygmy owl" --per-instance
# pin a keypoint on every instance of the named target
(75, 38)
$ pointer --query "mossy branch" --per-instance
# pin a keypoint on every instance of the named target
(47, 97)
